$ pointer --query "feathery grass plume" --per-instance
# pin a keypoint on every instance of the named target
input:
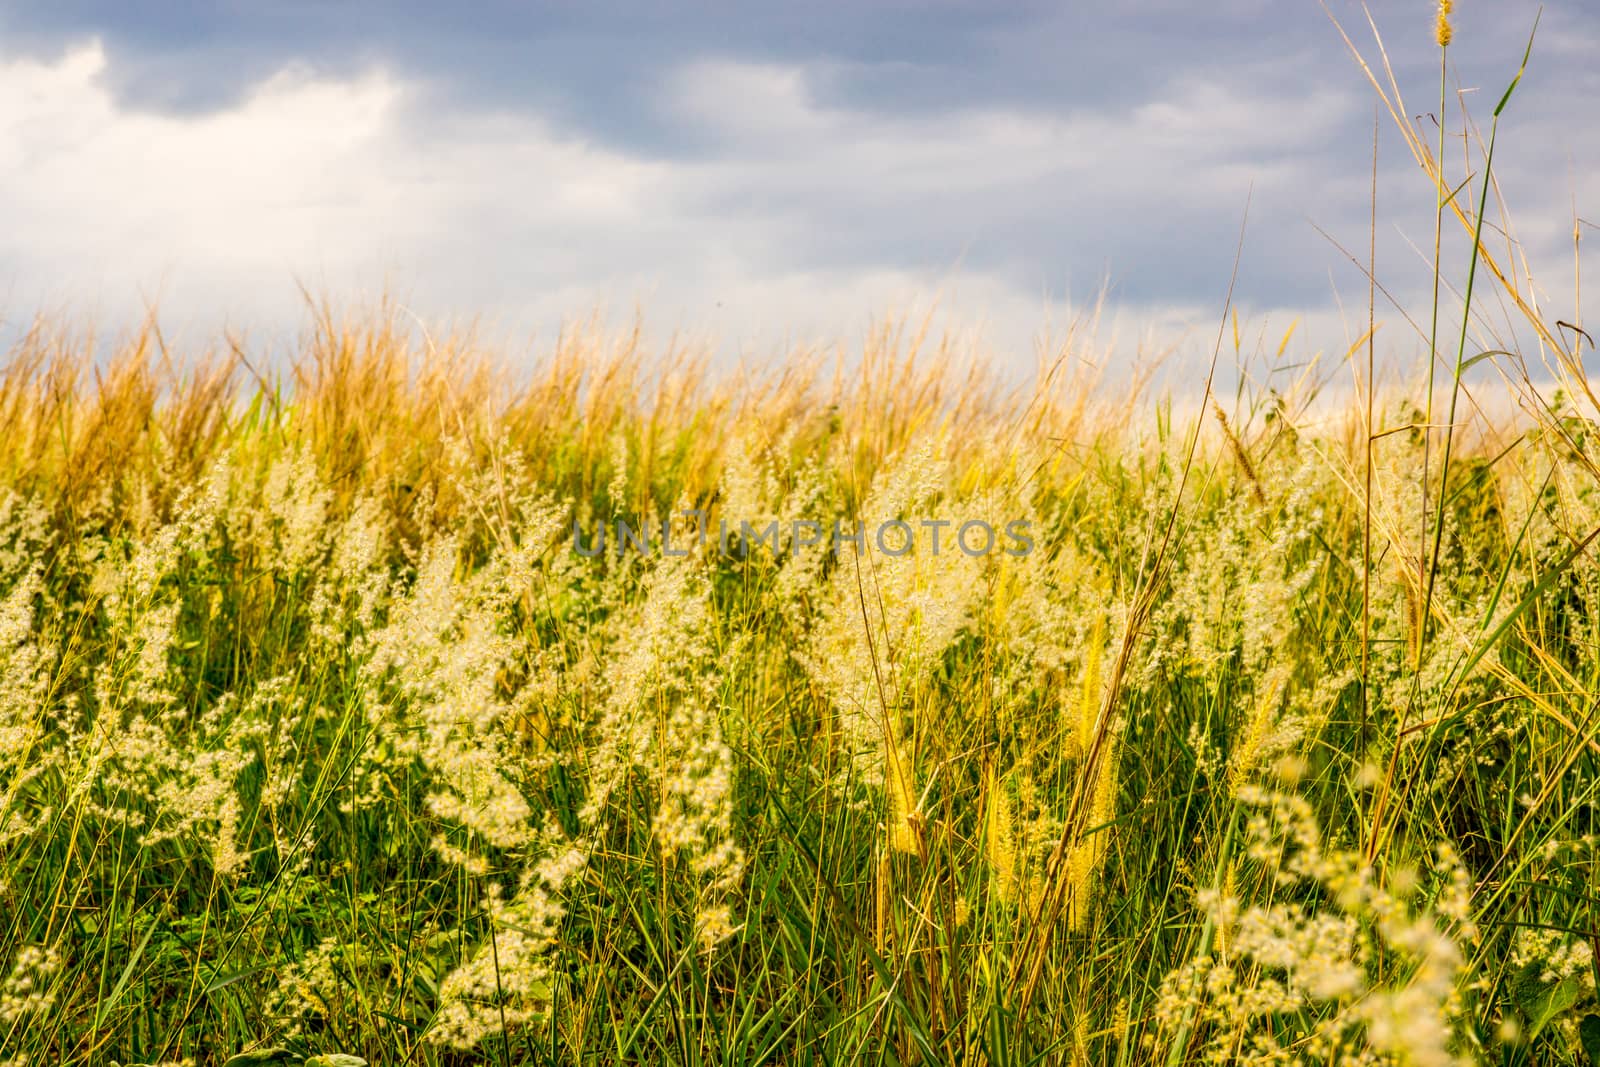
(507, 981)
(1087, 853)
(1325, 959)
(1263, 735)
(198, 793)
(1091, 687)
(437, 663)
(313, 987)
(749, 492)
(661, 720)
(1080, 1041)
(904, 816)
(1240, 454)
(799, 583)
(694, 817)
(1000, 838)
(288, 529)
(892, 608)
(1443, 32)
(349, 592)
(694, 769)
(30, 988)
(618, 494)
(655, 646)
(25, 665)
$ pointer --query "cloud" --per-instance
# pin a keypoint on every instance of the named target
(347, 182)
(773, 200)
(338, 181)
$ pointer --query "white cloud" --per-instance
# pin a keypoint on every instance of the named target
(339, 182)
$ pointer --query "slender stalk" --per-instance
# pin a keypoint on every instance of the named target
(1366, 496)
(1433, 361)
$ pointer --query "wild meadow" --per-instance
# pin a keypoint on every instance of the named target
(392, 704)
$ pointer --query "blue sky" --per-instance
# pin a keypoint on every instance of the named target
(755, 174)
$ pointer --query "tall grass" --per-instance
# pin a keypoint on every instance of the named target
(319, 739)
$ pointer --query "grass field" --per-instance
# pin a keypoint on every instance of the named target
(331, 730)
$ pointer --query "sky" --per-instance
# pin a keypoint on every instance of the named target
(754, 176)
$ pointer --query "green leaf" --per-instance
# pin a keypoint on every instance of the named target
(1542, 1001)
(335, 1059)
(280, 1056)
(122, 983)
(1528, 52)
(1589, 1035)
(227, 980)
(1481, 356)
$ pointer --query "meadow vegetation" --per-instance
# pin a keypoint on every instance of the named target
(320, 743)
